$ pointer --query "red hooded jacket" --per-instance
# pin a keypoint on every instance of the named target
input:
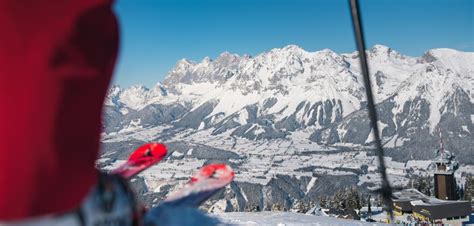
(56, 61)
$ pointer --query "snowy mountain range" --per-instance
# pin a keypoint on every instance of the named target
(293, 124)
(289, 93)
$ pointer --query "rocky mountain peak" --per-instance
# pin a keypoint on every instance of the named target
(384, 52)
(206, 60)
(380, 49)
(226, 58)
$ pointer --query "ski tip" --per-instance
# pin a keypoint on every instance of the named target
(143, 157)
(219, 171)
(208, 180)
(149, 151)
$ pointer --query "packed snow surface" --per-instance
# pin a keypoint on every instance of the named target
(283, 219)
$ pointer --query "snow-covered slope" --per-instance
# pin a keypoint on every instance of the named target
(388, 68)
(135, 97)
(284, 218)
(435, 98)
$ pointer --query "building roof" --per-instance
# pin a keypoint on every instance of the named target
(408, 195)
(442, 209)
(413, 200)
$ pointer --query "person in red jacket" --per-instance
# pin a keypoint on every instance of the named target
(56, 61)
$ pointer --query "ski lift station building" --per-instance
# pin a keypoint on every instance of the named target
(430, 209)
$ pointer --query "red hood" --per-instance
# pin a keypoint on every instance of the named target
(56, 61)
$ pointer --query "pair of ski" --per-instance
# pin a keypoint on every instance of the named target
(206, 182)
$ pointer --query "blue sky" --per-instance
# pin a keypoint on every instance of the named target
(157, 33)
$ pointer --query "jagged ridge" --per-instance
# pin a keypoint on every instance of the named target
(271, 95)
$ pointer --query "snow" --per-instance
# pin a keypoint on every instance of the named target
(457, 60)
(131, 133)
(436, 81)
(201, 126)
(177, 154)
(327, 81)
(258, 130)
(266, 158)
(108, 154)
(219, 206)
(190, 152)
(310, 184)
(418, 164)
(244, 195)
(103, 159)
(392, 142)
(303, 77)
(291, 76)
(243, 116)
(177, 215)
(371, 137)
(389, 62)
(134, 97)
(282, 218)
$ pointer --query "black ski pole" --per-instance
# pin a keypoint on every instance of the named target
(386, 190)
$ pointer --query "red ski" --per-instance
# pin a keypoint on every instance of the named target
(204, 184)
(142, 158)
